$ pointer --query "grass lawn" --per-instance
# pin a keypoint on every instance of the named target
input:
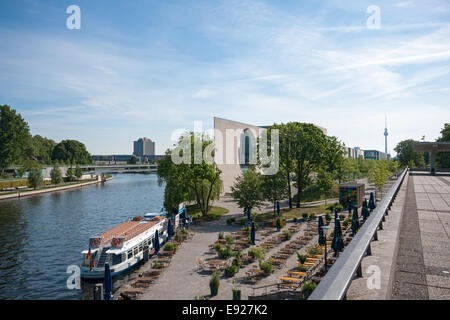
(214, 212)
(288, 214)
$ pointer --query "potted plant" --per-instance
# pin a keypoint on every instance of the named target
(266, 266)
(236, 292)
(214, 284)
(279, 224)
(308, 288)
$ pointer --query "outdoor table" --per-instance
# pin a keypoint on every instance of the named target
(163, 259)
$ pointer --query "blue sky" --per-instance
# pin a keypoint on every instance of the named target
(146, 68)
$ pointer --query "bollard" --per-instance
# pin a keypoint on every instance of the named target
(98, 291)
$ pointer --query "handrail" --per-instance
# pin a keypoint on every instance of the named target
(336, 282)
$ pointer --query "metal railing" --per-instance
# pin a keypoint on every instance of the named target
(335, 284)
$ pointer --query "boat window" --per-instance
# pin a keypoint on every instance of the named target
(130, 254)
(140, 247)
(136, 250)
(117, 258)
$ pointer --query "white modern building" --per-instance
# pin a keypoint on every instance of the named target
(234, 142)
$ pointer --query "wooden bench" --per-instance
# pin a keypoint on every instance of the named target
(296, 273)
(289, 279)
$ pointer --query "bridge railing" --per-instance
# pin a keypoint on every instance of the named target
(336, 282)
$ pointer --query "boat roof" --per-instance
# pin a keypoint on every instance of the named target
(130, 229)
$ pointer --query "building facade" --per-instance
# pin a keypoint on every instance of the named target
(144, 147)
(234, 142)
(375, 155)
(353, 153)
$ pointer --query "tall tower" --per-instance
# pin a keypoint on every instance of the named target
(385, 135)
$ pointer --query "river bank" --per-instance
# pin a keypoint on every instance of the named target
(21, 194)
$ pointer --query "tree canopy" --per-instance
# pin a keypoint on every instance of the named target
(407, 156)
(71, 151)
(443, 158)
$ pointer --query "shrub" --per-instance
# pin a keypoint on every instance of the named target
(170, 247)
(229, 240)
(308, 288)
(314, 249)
(266, 266)
(312, 216)
(243, 222)
(345, 223)
(225, 252)
(287, 235)
(302, 268)
(257, 253)
(301, 258)
(305, 215)
(295, 219)
(220, 235)
(237, 262)
(279, 224)
(328, 216)
(341, 217)
(78, 172)
(157, 265)
(214, 284)
(231, 270)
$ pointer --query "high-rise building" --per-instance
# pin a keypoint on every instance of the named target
(144, 147)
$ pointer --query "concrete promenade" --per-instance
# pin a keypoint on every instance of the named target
(422, 268)
(413, 249)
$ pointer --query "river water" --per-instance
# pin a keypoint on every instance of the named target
(40, 236)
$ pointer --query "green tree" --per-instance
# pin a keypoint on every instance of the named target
(132, 160)
(35, 177)
(286, 162)
(41, 148)
(14, 137)
(274, 188)
(71, 152)
(333, 160)
(443, 158)
(69, 174)
(78, 172)
(56, 175)
(325, 182)
(308, 147)
(379, 175)
(406, 154)
(199, 178)
(247, 190)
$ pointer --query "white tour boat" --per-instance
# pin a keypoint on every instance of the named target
(122, 246)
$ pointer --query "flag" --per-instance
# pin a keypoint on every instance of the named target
(423, 138)
(88, 256)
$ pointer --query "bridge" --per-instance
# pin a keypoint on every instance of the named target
(402, 251)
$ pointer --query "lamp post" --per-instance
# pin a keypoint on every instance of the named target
(325, 231)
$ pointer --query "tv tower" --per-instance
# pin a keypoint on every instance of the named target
(385, 135)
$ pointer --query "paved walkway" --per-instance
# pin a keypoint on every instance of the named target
(422, 268)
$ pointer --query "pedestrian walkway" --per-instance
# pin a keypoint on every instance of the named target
(422, 269)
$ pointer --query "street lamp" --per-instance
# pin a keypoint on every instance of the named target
(325, 231)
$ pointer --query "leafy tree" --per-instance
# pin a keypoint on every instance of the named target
(56, 175)
(41, 148)
(14, 137)
(198, 180)
(71, 152)
(308, 147)
(69, 174)
(35, 177)
(78, 172)
(247, 190)
(325, 183)
(132, 160)
(286, 162)
(407, 156)
(274, 188)
(379, 175)
(333, 160)
(443, 158)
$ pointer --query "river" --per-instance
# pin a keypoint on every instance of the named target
(40, 236)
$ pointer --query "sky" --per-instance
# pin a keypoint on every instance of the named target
(147, 68)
